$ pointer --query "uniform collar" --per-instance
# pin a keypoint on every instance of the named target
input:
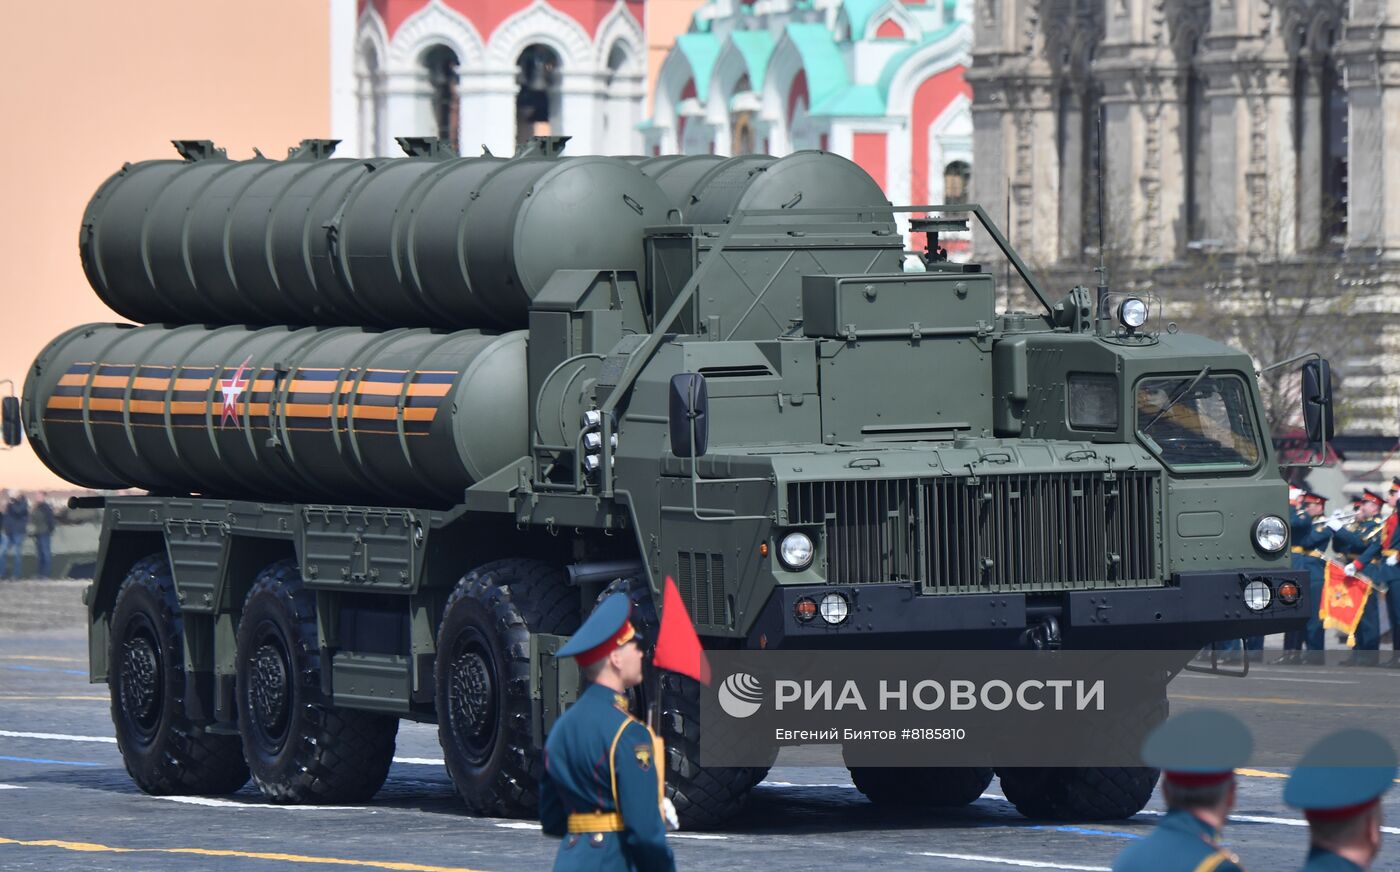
(1321, 858)
(606, 695)
(1185, 822)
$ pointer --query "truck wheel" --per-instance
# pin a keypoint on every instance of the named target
(1078, 793)
(163, 751)
(943, 786)
(299, 749)
(705, 796)
(483, 680)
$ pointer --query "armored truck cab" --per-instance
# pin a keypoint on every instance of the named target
(350, 525)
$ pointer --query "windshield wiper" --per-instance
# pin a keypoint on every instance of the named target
(1205, 371)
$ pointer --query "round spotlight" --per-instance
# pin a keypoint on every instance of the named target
(593, 441)
(1288, 592)
(591, 462)
(1270, 534)
(1257, 595)
(835, 609)
(805, 609)
(1132, 312)
(796, 551)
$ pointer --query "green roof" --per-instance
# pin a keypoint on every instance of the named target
(821, 60)
(700, 51)
(864, 101)
(756, 47)
(892, 67)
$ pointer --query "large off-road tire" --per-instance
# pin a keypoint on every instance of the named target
(483, 680)
(935, 787)
(163, 751)
(1078, 793)
(704, 796)
(299, 749)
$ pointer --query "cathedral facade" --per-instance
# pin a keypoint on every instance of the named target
(1218, 125)
(878, 81)
(493, 73)
(1239, 157)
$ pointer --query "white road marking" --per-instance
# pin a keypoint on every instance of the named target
(699, 837)
(1262, 819)
(1301, 680)
(795, 784)
(56, 737)
(225, 803)
(421, 761)
(1008, 861)
(12, 787)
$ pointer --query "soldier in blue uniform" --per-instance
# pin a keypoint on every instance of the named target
(1197, 752)
(1311, 537)
(1360, 545)
(1389, 569)
(1338, 784)
(602, 791)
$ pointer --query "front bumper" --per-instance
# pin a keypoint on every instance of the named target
(1193, 610)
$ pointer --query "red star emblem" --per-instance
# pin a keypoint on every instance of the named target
(232, 389)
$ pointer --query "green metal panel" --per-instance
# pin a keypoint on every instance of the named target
(928, 305)
(360, 548)
(379, 682)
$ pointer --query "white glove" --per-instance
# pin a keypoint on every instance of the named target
(1393, 560)
(1336, 522)
(1351, 570)
(668, 811)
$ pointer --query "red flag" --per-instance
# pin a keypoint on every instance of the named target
(677, 646)
(1343, 599)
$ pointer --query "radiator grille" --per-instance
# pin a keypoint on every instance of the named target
(994, 533)
(700, 580)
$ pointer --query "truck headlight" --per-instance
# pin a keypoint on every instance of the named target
(834, 608)
(1257, 595)
(796, 551)
(1270, 534)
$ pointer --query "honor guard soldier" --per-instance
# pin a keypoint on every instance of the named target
(1360, 546)
(1389, 570)
(1197, 752)
(1311, 537)
(602, 789)
(1338, 785)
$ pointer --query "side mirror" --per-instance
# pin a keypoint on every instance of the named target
(9, 421)
(1317, 400)
(690, 415)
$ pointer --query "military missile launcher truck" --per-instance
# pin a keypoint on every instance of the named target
(402, 421)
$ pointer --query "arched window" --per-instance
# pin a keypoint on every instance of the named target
(370, 96)
(441, 65)
(956, 177)
(1321, 118)
(1195, 138)
(743, 138)
(537, 101)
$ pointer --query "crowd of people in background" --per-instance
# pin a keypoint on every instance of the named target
(23, 519)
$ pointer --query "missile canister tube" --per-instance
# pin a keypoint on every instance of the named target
(341, 414)
(416, 241)
(707, 190)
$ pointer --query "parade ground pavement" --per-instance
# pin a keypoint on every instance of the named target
(67, 803)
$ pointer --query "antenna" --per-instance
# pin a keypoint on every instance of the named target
(1103, 264)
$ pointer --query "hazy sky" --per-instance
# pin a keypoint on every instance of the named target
(91, 84)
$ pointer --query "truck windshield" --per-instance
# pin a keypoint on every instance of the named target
(1207, 423)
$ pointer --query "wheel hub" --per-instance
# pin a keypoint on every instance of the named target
(141, 681)
(268, 689)
(472, 697)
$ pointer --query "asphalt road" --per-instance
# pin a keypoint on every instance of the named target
(66, 803)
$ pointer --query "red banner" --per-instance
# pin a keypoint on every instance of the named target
(1343, 599)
